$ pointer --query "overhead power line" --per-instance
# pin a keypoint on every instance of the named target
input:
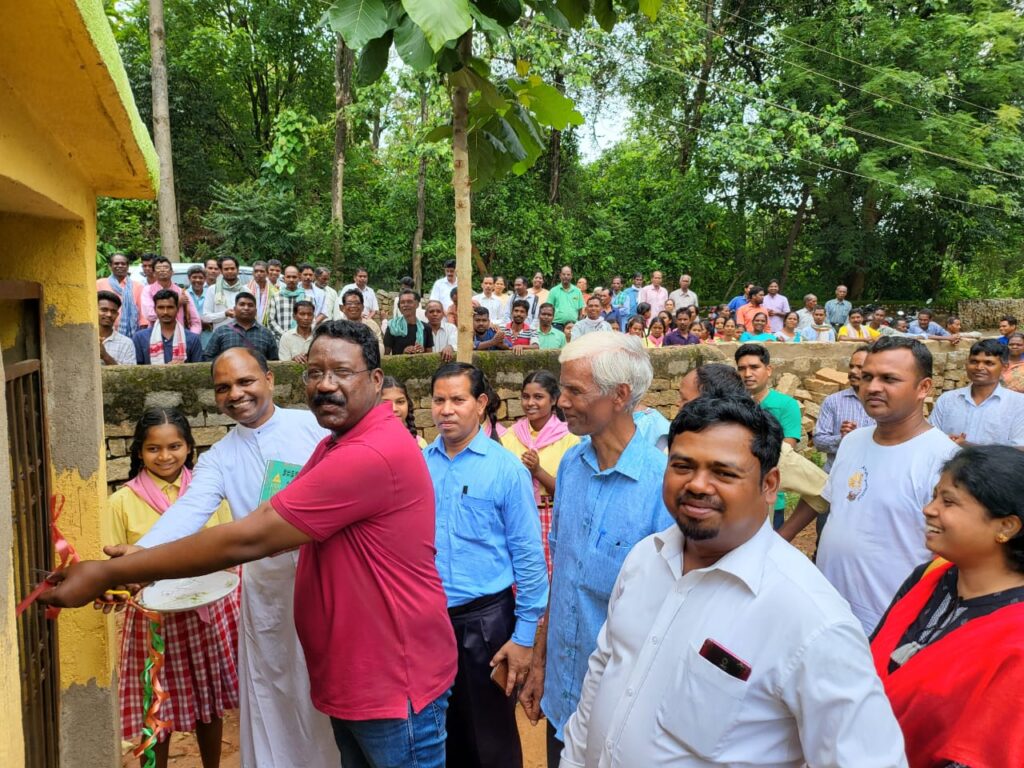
(874, 94)
(847, 59)
(792, 110)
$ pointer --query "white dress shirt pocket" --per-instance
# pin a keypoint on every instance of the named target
(475, 518)
(702, 706)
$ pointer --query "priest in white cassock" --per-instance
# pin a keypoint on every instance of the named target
(279, 726)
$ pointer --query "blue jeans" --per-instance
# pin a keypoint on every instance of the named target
(415, 742)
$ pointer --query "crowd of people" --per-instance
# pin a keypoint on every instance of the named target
(277, 311)
(626, 578)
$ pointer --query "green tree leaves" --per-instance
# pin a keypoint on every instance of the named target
(440, 20)
(359, 21)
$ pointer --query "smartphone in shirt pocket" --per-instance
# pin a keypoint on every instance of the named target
(703, 703)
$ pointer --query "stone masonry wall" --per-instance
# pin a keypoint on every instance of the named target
(985, 313)
(808, 372)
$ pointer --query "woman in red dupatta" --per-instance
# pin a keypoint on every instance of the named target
(950, 649)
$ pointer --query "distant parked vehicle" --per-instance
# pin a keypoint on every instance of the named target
(180, 276)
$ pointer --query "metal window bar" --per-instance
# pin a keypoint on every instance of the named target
(33, 551)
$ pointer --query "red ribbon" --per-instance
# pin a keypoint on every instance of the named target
(65, 552)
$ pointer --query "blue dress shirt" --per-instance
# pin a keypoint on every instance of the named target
(597, 518)
(996, 420)
(933, 329)
(488, 532)
(626, 300)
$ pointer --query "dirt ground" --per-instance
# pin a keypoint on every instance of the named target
(185, 754)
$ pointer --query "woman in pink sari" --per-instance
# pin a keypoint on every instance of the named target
(540, 439)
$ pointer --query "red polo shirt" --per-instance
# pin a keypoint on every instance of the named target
(369, 607)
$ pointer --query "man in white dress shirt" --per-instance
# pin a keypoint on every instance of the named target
(371, 307)
(683, 297)
(984, 412)
(489, 300)
(442, 288)
(723, 644)
(446, 335)
(278, 723)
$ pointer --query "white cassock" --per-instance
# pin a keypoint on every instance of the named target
(279, 725)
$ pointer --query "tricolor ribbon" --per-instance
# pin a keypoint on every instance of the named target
(153, 692)
(65, 552)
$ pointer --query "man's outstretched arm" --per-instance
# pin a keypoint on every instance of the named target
(262, 533)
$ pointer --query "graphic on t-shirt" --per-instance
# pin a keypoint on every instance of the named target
(278, 475)
(858, 484)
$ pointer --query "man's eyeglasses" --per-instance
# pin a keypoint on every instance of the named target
(341, 375)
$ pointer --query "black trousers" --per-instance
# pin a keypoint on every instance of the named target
(482, 730)
(554, 747)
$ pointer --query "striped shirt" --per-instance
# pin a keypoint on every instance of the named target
(837, 408)
(524, 338)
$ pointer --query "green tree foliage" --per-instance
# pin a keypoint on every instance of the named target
(849, 141)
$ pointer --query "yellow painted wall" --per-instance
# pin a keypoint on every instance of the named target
(59, 255)
(68, 131)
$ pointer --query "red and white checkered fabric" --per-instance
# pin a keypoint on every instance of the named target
(200, 667)
(544, 510)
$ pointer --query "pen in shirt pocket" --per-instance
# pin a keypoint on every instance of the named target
(465, 490)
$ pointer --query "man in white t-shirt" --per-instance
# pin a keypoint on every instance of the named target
(881, 480)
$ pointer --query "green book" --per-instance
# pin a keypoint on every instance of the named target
(278, 475)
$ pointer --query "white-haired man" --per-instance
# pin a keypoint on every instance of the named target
(609, 498)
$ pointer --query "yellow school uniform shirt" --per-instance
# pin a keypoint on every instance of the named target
(550, 455)
(132, 518)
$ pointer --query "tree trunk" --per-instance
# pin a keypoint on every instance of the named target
(463, 218)
(871, 214)
(555, 152)
(375, 133)
(794, 233)
(167, 208)
(694, 109)
(421, 198)
(555, 164)
(343, 64)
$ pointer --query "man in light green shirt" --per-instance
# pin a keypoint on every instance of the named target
(548, 337)
(566, 299)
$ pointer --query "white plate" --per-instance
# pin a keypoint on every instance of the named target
(177, 595)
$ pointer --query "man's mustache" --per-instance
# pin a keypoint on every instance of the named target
(699, 500)
(324, 398)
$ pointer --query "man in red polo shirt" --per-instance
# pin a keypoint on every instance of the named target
(370, 611)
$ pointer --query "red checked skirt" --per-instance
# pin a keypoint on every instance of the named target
(200, 667)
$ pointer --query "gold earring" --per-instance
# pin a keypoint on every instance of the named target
(1002, 538)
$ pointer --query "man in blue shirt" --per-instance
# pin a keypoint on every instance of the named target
(925, 326)
(488, 538)
(743, 298)
(837, 310)
(608, 498)
(626, 300)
